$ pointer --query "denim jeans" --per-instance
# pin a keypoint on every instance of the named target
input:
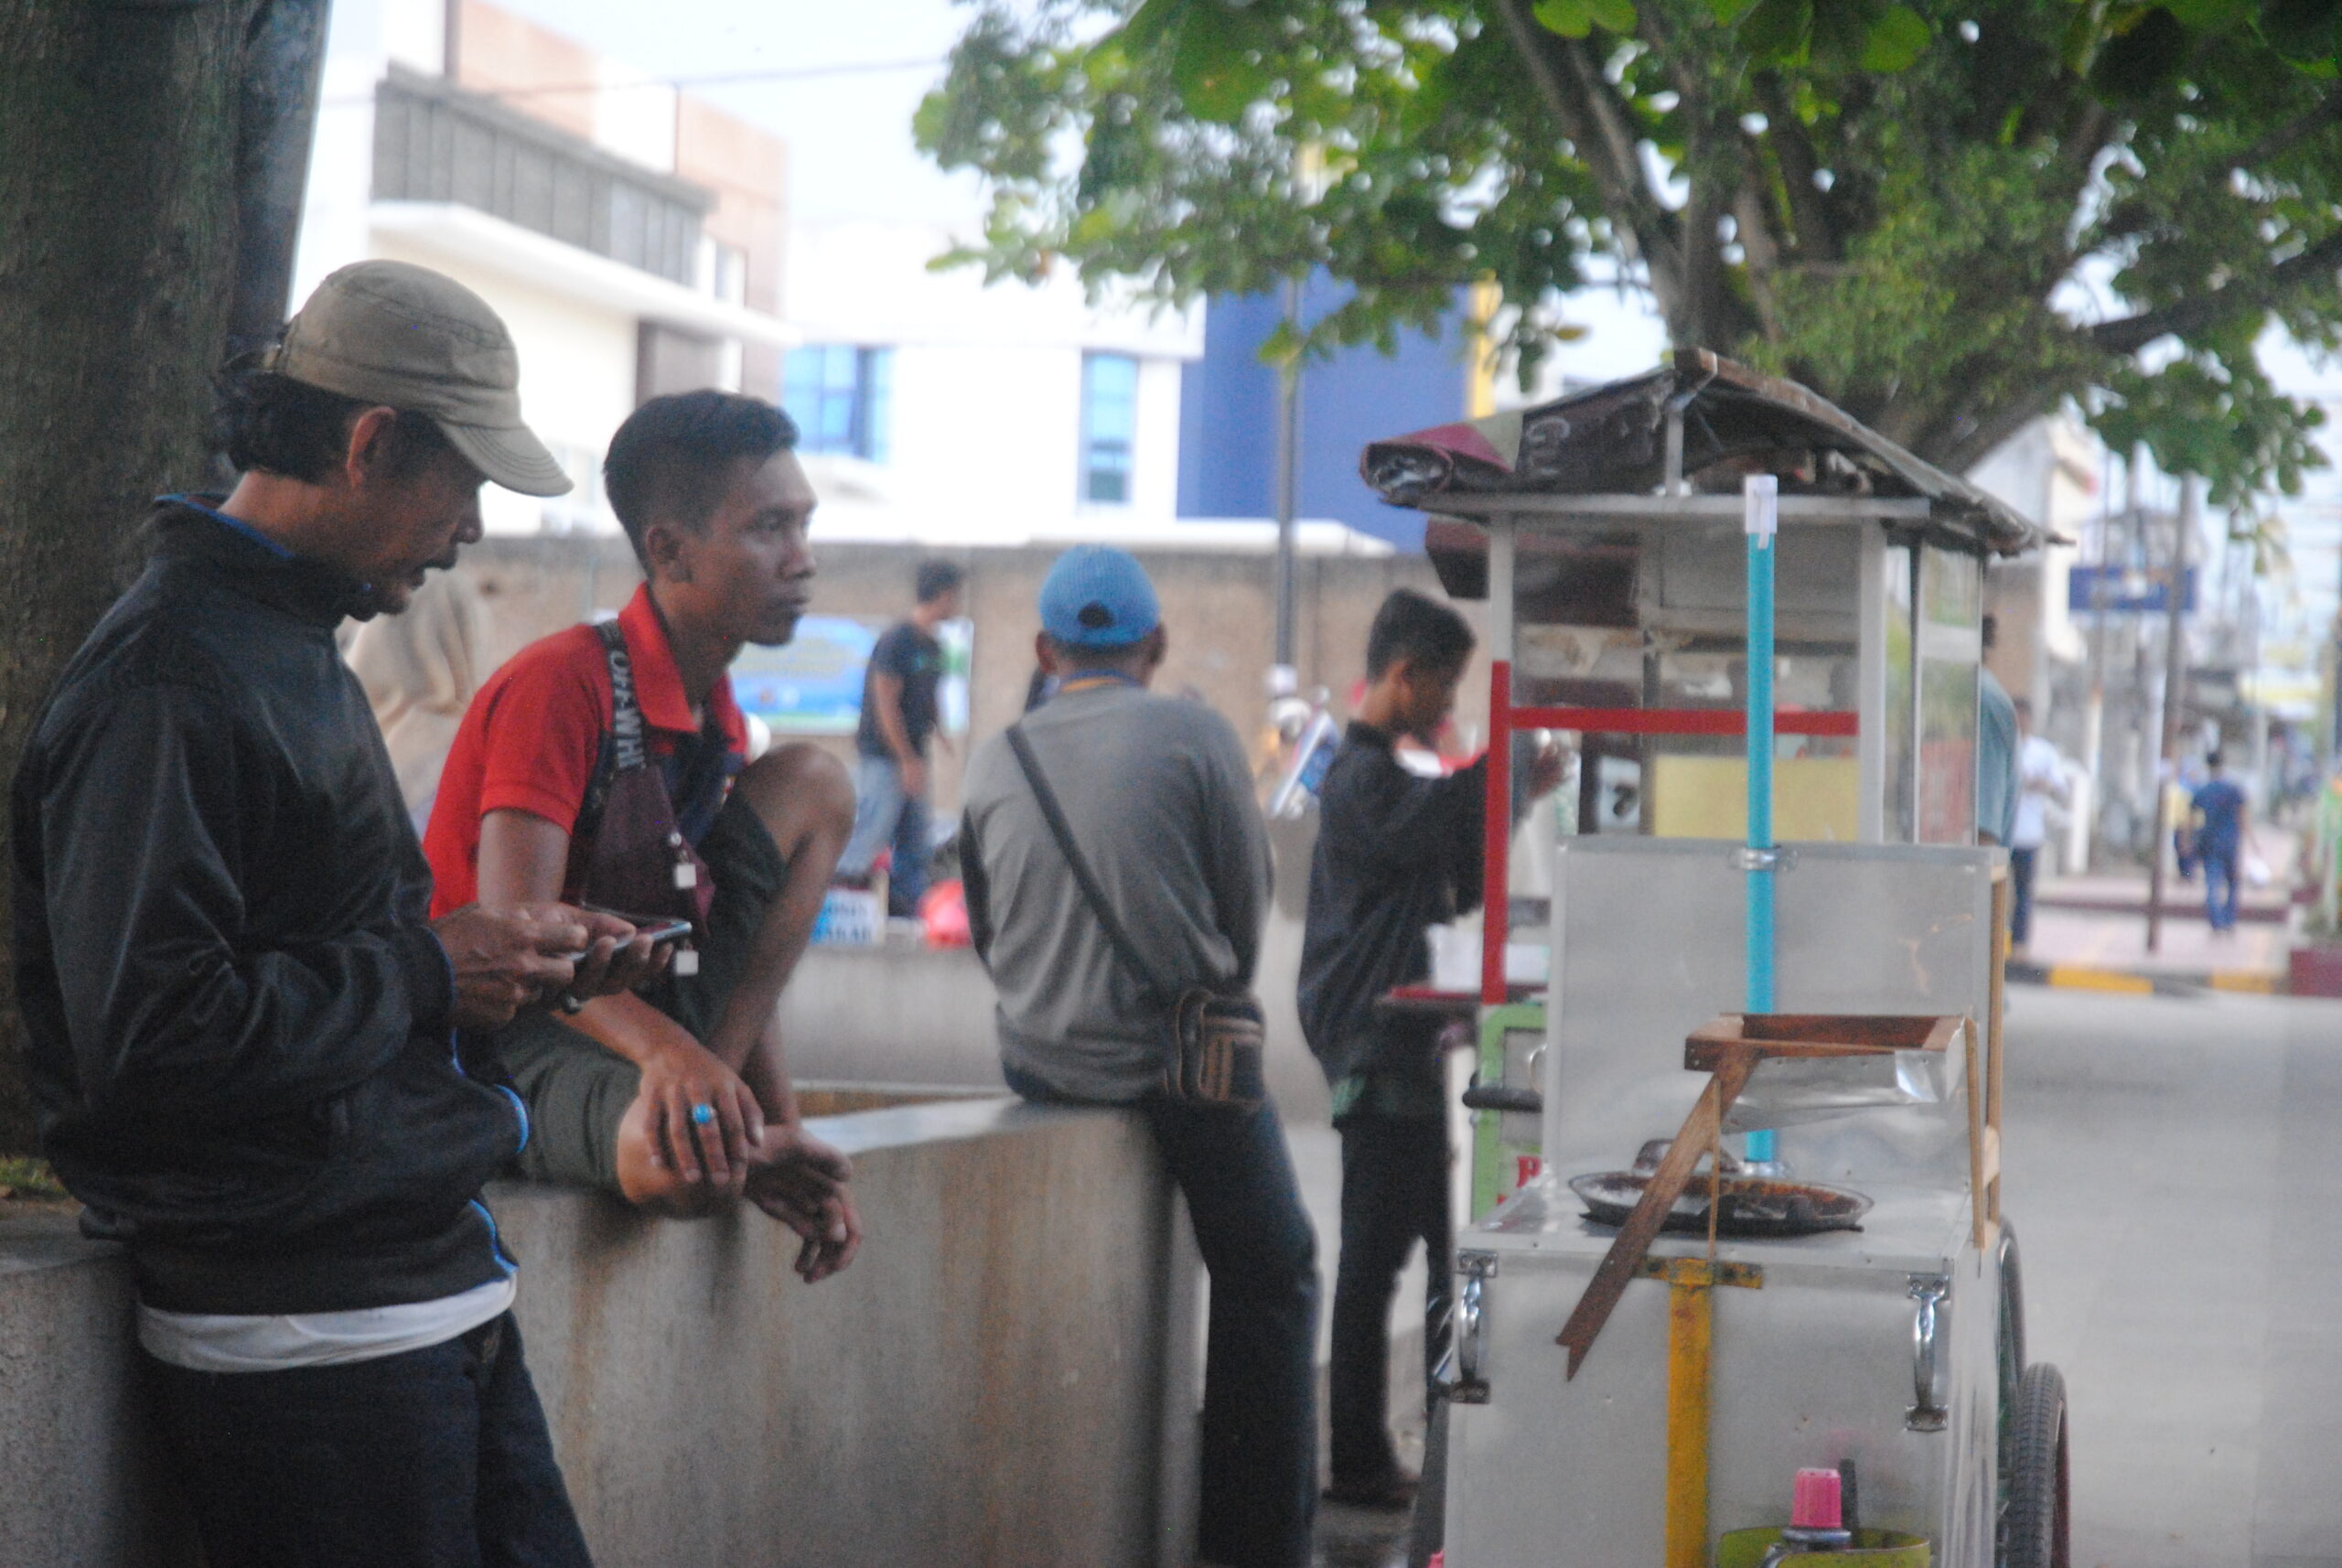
(1260, 1426)
(2220, 887)
(883, 814)
(1394, 1193)
(438, 1456)
(2021, 867)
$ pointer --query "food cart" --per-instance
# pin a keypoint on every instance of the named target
(1763, 621)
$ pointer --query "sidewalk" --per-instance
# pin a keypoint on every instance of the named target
(2091, 932)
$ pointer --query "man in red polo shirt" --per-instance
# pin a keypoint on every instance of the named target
(677, 1098)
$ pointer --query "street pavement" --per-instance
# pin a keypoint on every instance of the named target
(2097, 922)
(2174, 1170)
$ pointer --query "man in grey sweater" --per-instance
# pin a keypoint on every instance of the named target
(1159, 800)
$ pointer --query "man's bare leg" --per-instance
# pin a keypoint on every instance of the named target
(805, 801)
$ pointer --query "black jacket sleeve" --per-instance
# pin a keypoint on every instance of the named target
(174, 1003)
(1399, 825)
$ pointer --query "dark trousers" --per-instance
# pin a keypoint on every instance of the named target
(2220, 887)
(2021, 895)
(1260, 1429)
(1394, 1193)
(437, 1456)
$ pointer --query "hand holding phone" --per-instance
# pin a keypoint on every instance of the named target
(662, 931)
(612, 963)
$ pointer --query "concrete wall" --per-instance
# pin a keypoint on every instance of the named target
(912, 1016)
(1007, 1376)
(1219, 606)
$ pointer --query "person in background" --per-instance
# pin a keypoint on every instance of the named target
(1397, 854)
(251, 1047)
(1996, 753)
(678, 1100)
(2041, 782)
(898, 716)
(1158, 795)
(420, 669)
(2222, 823)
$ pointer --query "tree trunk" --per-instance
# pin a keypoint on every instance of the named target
(118, 162)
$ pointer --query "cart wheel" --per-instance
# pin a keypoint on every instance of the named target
(2039, 1517)
(2011, 1312)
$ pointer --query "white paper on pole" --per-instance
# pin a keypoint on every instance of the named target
(1762, 494)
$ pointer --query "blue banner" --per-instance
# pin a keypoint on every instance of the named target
(2127, 590)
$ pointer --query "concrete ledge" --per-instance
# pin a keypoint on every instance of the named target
(1004, 1377)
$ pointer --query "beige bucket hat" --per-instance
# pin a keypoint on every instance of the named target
(409, 338)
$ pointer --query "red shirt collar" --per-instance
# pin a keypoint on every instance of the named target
(658, 684)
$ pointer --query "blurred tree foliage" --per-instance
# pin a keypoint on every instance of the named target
(1947, 215)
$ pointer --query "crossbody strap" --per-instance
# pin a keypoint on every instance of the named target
(1092, 893)
(628, 751)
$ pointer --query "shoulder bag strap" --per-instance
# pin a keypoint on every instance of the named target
(628, 751)
(1092, 893)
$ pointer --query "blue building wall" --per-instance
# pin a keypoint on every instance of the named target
(1228, 415)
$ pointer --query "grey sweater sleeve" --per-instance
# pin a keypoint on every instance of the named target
(1236, 856)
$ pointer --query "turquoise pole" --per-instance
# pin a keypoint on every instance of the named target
(1760, 490)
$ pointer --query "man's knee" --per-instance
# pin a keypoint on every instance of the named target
(797, 788)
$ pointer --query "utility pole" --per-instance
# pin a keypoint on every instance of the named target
(2175, 696)
(2094, 719)
(1288, 471)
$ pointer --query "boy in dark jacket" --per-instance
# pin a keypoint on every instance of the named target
(1397, 854)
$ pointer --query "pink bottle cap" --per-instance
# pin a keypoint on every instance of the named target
(1817, 1505)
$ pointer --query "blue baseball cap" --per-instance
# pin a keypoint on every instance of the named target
(1097, 596)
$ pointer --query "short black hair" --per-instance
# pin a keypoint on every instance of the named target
(936, 578)
(1079, 658)
(1417, 627)
(2212, 757)
(672, 455)
(270, 423)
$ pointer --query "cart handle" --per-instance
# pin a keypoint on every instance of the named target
(1926, 1362)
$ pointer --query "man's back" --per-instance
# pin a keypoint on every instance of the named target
(2221, 804)
(1159, 797)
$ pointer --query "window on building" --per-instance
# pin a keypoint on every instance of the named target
(1109, 426)
(722, 270)
(840, 395)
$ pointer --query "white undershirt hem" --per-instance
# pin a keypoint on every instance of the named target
(230, 1342)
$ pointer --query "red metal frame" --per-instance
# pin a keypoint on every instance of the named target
(1835, 723)
(1496, 918)
(1496, 904)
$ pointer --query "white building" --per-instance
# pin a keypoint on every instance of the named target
(638, 241)
(629, 236)
(933, 406)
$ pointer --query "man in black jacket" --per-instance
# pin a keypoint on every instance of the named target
(243, 1035)
(1396, 855)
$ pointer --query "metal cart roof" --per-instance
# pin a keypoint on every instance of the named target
(1609, 446)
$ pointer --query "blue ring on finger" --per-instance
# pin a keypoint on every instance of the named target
(702, 1114)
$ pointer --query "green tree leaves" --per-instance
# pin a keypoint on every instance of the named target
(1946, 215)
(1577, 19)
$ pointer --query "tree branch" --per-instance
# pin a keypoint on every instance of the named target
(2285, 137)
(1604, 142)
(1958, 453)
(1817, 237)
(2133, 333)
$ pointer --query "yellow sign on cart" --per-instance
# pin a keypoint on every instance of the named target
(1814, 799)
